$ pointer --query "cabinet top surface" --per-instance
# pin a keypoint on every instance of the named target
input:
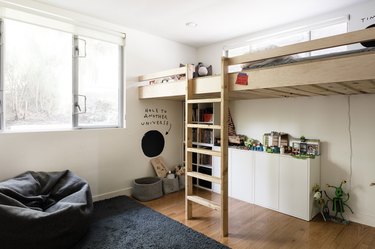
(270, 154)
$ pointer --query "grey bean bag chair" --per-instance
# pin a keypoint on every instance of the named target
(44, 210)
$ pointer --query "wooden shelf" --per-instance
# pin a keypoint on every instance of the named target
(202, 125)
(201, 101)
(203, 144)
(204, 151)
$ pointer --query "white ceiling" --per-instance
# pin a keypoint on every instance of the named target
(217, 20)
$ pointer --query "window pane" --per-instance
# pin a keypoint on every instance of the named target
(280, 42)
(37, 77)
(336, 29)
(99, 78)
(238, 51)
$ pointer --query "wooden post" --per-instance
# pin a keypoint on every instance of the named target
(224, 147)
(188, 144)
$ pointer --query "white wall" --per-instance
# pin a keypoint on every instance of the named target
(325, 118)
(110, 158)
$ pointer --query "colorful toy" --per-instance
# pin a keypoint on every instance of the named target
(338, 203)
(202, 70)
(318, 198)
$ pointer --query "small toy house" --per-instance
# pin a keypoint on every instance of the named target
(276, 139)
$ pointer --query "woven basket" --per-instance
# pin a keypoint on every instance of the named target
(170, 185)
(181, 181)
(147, 188)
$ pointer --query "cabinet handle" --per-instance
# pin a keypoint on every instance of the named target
(372, 184)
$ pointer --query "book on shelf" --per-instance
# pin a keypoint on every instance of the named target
(205, 136)
(206, 115)
(205, 160)
(194, 118)
(194, 135)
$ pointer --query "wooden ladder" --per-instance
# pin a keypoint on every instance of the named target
(191, 99)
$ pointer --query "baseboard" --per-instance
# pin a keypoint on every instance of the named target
(364, 219)
(124, 191)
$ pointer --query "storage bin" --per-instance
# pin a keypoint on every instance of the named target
(147, 188)
(181, 181)
(170, 185)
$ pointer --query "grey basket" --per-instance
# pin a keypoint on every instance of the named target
(170, 185)
(181, 181)
(147, 188)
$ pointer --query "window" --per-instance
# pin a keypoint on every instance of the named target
(238, 51)
(37, 77)
(98, 78)
(336, 29)
(57, 80)
(324, 29)
(279, 41)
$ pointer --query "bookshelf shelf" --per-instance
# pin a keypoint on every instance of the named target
(204, 138)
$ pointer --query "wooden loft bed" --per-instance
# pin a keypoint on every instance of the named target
(176, 90)
(345, 74)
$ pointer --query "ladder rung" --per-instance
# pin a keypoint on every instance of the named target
(205, 177)
(204, 126)
(197, 101)
(204, 151)
(203, 202)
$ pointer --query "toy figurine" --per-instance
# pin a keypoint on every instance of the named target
(338, 203)
(318, 198)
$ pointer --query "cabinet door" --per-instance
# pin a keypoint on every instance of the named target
(242, 175)
(266, 180)
(294, 191)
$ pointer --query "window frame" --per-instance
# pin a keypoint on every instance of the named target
(76, 94)
(285, 33)
(75, 85)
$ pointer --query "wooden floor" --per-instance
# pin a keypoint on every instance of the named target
(251, 226)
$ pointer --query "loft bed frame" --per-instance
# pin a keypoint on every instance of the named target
(338, 75)
(346, 74)
(177, 90)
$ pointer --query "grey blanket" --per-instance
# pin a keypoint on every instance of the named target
(44, 210)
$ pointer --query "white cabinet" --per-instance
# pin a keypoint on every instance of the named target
(266, 180)
(297, 177)
(241, 174)
(278, 182)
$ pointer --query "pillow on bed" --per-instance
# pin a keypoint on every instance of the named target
(269, 62)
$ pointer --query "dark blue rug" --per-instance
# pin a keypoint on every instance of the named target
(122, 222)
